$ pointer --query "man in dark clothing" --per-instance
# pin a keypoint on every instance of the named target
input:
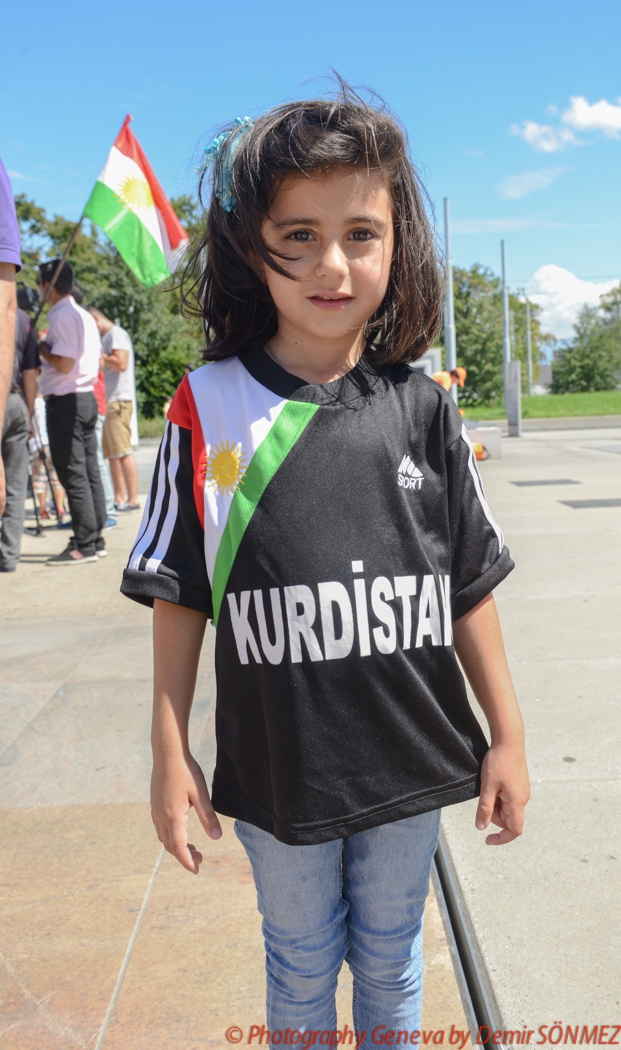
(70, 365)
(17, 422)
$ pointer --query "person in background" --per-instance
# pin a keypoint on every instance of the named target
(118, 360)
(10, 264)
(99, 390)
(43, 468)
(70, 364)
(17, 426)
(447, 379)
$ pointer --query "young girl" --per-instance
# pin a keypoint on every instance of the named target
(320, 502)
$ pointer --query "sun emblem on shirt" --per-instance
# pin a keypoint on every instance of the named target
(135, 192)
(225, 468)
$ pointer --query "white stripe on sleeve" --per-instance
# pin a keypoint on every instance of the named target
(166, 531)
(149, 524)
(478, 487)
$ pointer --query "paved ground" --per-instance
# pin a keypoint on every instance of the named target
(547, 909)
(80, 866)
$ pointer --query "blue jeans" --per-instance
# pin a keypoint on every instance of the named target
(359, 899)
(104, 470)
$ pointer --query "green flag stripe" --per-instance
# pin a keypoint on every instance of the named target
(136, 245)
(294, 418)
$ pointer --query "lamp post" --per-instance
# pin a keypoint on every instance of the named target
(529, 349)
(511, 369)
(449, 305)
(506, 334)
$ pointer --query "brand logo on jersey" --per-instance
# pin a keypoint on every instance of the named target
(409, 476)
(225, 468)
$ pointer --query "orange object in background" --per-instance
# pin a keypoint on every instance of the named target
(446, 379)
(480, 452)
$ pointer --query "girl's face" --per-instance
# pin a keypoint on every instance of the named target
(336, 231)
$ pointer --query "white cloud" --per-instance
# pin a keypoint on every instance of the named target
(561, 295)
(18, 175)
(602, 116)
(474, 152)
(545, 138)
(519, 186)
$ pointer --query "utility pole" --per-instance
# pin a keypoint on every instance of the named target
(450, 344)
(506, 335)
(512, 375)
(529, 348)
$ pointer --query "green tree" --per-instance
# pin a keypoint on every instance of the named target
(478, 331)
(164, 341)
(592, 360)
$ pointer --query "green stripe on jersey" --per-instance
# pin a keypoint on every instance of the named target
(136, 245)
(275, 447)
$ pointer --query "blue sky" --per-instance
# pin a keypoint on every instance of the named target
(460, 75)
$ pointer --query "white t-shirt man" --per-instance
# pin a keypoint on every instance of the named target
(119, 385)
(72, 332)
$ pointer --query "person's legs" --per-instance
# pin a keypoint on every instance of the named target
(118, 480)
(130, 476)
(299, 897)
(66, 430)
(385, 883)
(89, 415)
(117, 446)
(15, 456)
(104, 473)
(124, 471)
(58, 491)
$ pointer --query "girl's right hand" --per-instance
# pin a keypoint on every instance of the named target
(177, 784)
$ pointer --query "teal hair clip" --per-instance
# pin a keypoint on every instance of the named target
(223, 188)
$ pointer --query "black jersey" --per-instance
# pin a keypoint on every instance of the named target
(332, 533)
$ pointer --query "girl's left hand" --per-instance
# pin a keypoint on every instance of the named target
(505, 790)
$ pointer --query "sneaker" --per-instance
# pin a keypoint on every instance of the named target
(7, 568)
(121, 508)
(70, 556)
(110, 523)
(65, 523)
(102, 553)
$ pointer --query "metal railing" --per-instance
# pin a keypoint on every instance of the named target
(475, 987)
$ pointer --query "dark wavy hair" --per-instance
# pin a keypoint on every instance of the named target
(221, 286)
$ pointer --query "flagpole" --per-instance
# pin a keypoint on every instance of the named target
(56, 273)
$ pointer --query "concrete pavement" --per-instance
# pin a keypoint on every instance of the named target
(547, 909)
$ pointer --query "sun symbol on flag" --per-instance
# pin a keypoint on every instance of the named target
(226, 469)
(136, 193)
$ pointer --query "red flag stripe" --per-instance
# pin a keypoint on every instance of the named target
(183, 412)
(127, 143)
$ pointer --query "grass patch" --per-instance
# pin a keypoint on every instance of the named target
(555, 406)
(151, 428)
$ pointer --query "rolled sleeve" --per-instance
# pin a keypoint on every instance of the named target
(10, 246)
(64, 336)
(168, 558)
(480, 559)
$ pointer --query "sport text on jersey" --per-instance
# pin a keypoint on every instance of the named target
(326, 622)
(409, 476)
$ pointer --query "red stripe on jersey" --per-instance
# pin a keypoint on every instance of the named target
(127, 143)
(183, 412)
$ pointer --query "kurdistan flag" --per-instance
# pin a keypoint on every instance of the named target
(131, 207)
